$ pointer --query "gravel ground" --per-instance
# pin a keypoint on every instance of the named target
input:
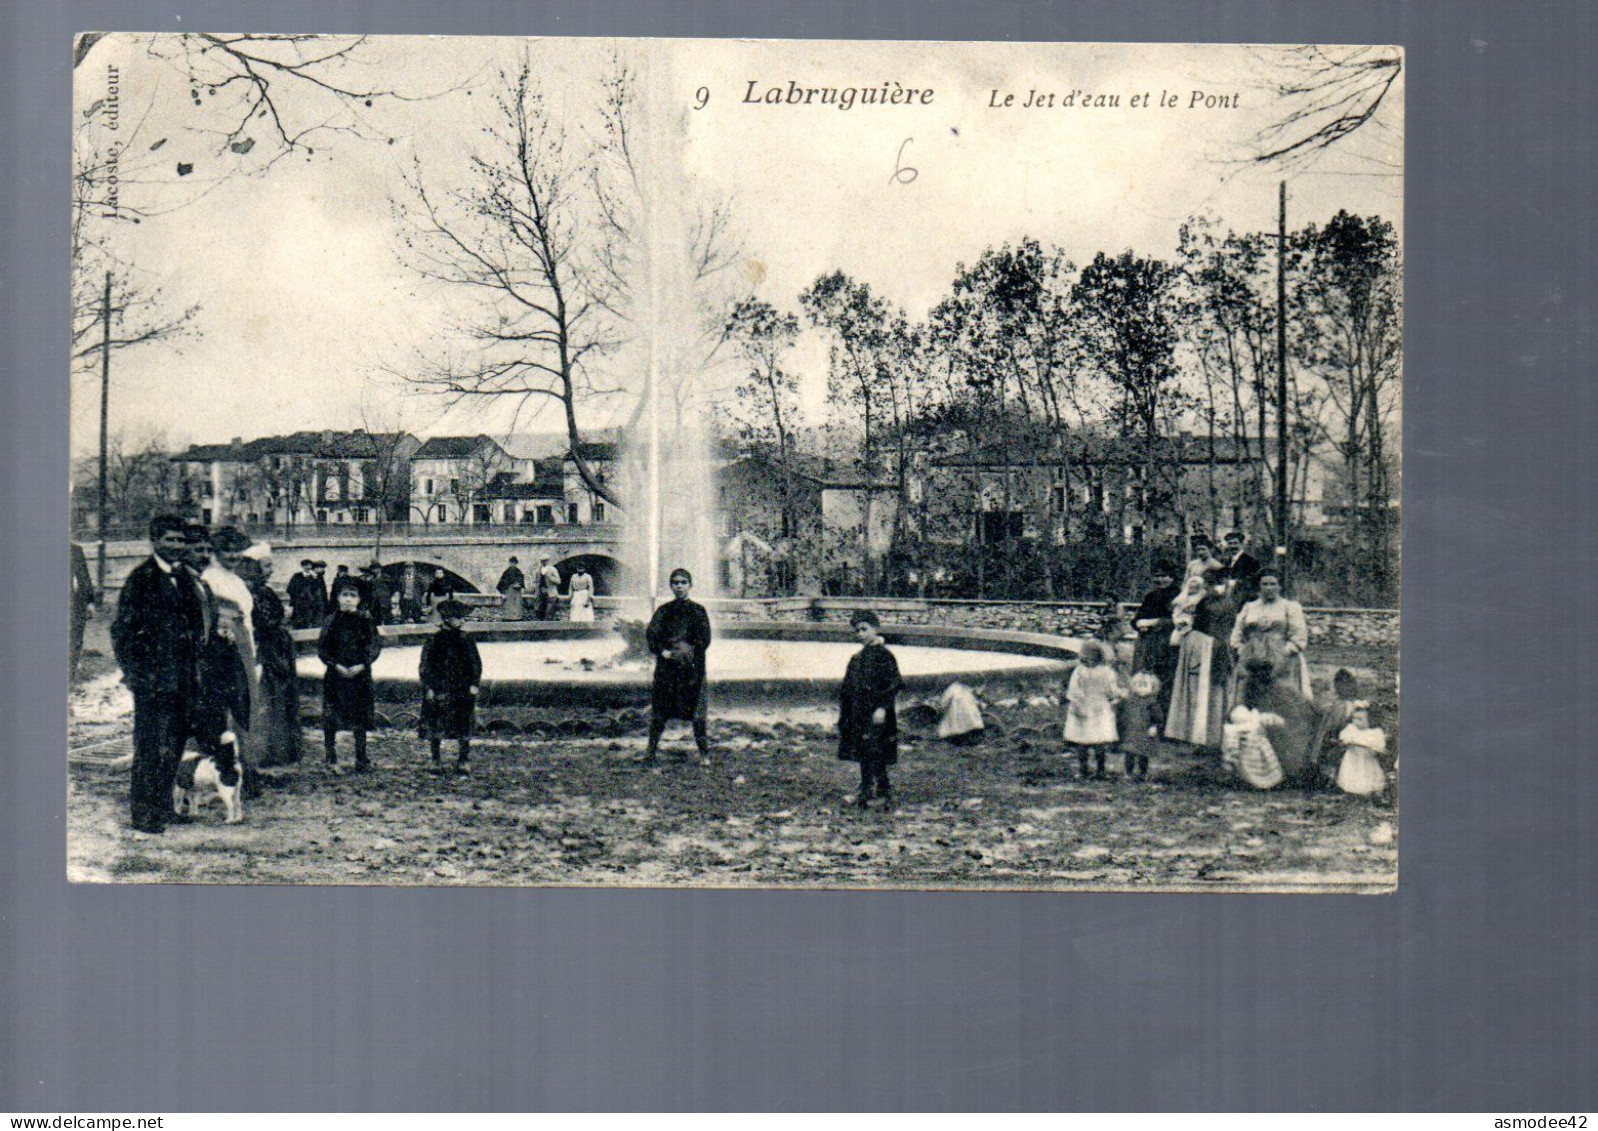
(774, 809)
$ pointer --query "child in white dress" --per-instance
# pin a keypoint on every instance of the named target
(1090, 708)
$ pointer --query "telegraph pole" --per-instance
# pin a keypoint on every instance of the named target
(105, 415)
(1281, 376)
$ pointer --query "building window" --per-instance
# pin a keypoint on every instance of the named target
(599, 511)
(321, 516)
(480, 513)
(546, 516)
(528, 517)
(362, 514)
(1002, 526)
(454, 486)
(1060, 501)
(427, 486)
(571, 512)
(205, 516)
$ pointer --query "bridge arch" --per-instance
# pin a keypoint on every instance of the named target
(611, 576)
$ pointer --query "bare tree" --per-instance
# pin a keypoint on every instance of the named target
(511, 235)
(1326, 94)
(267, 96)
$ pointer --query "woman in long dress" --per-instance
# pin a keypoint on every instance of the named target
(1203, 668)
(276, 729)
(512, 584)
(235, 607)
(1155, 623)
(582, 596)
(1279, 620)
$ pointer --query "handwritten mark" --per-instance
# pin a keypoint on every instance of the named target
(903, 174)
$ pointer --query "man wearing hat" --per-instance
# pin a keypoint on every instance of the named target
(157, 636)
(451, 670)
(378, 593)
(548, 589)
(308, 596)
(868, 723)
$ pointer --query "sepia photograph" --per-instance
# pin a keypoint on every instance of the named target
(509, 462)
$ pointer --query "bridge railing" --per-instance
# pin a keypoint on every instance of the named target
(362, 531)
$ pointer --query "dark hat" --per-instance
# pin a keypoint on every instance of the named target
(346, 585)
(865, 616)
(343, 569)
(451, 609)
(319, 564)
(513, 560)
(1165, 568)
(307, 562)
(196, 532)
(230, 540)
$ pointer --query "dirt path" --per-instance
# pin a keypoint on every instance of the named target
(773, 811)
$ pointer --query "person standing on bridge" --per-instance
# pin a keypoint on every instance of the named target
(438, 590)
(582, 596)
(548, 590)
(511, 584)
(308, 595)
(678, 637)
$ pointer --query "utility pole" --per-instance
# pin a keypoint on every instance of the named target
(105, 415)
(1281, 376)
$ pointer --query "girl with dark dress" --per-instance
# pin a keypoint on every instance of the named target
(277, 718)
(450, 672)
(678, 637)
(868, 724)
(1154, 622)
(348, 645)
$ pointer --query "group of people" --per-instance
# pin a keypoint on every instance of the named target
(313, 598)
(512, 588)
(204, 646)
(1220, 663)
(679, 636)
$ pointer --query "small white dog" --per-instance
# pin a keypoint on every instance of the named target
(206, 775)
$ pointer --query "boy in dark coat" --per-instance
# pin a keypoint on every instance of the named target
(868, 724)
(450, 672)
(678, 637)
(348, 645)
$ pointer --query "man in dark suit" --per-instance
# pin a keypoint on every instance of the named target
(1242, 572)
(308, 596)
(157, 636)
(83, 603)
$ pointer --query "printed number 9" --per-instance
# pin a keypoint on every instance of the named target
(701, 97)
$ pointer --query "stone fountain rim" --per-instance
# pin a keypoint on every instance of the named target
(612, 692)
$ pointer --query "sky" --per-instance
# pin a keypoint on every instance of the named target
(308, 308)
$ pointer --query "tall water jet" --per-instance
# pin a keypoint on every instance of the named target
(666, 454)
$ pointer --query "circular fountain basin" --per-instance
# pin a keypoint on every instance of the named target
(576, 665)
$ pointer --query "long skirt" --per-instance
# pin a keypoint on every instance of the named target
(278, 740)
(513, 608)
(582, 608)
(1198, 698)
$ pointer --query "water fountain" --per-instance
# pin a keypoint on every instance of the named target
(667, 467)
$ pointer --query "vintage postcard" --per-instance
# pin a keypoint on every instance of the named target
(701, 463)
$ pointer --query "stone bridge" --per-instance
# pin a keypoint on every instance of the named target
(476, 555)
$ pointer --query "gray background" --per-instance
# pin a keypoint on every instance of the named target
(1471, 989)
